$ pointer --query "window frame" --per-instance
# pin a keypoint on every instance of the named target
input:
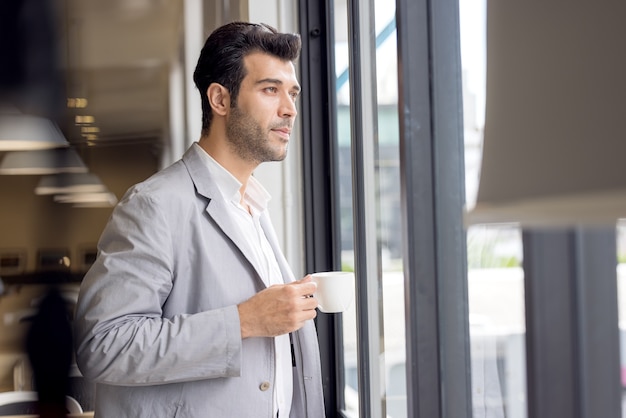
(432, 184)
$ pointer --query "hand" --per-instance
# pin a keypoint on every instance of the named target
(279, 309)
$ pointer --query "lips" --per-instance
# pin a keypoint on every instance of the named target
(284, 132)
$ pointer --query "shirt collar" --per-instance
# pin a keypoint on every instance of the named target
(256, 195)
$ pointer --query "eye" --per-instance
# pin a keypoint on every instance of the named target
(294, 95)
(271, 89)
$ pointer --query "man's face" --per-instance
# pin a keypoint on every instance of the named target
(258, 127)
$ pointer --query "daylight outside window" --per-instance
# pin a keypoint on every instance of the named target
(495, 275)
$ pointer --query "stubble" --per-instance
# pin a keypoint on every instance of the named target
(249, 140)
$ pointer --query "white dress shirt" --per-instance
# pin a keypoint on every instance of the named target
(257, 198)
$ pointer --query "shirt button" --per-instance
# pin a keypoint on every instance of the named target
(264, 386)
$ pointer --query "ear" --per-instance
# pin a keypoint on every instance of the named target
(219, 98)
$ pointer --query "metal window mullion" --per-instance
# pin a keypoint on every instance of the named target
(320, 188)
(363, 127)
(572, 338)
(598, 299)
(449, 169)
(416, 180)
(431, 171)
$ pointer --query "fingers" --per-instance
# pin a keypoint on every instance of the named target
(305, 286)
(297, 296)
(278, 310)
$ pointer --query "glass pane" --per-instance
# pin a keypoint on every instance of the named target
(389, 233)
(344, 158)
(621, 303)
(495, 275)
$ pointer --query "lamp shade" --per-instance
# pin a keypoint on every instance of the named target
(66, 183)
(100, 199)
(25, 132)
(48, 161)
(554, 150)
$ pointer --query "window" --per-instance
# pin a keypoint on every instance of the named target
(378, 160)
(565, 291)
(384, 195)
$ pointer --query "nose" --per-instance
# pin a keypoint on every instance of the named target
(288, 107)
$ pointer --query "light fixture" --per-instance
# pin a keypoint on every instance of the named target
(25, 132)
(554, 143)
(89, 130)
(106, 199)
(65, 183)
(40, 162)
(77, 102)
(94, 205)
(84, 119)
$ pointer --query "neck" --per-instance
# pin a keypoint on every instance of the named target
(220, 151)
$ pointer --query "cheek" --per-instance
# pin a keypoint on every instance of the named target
(263, 111)
(265, 120)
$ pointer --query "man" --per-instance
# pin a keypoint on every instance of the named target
(190, 309)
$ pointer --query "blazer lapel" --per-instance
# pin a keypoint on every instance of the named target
(217, 209)
(219, 212)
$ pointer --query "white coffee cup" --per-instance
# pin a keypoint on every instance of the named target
(335, 290)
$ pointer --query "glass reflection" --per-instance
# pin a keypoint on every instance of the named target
(495, 275)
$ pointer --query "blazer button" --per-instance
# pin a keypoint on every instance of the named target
(264, 386)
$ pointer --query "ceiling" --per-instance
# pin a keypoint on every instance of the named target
(117, 55)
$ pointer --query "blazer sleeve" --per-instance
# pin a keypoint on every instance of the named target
(121, 336)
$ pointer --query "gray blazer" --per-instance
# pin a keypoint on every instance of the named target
(156, 324)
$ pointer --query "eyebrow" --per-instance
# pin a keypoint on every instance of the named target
(276, 81)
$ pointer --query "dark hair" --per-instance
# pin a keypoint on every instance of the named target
(221, 58)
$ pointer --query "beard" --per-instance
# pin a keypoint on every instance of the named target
(250, 141)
